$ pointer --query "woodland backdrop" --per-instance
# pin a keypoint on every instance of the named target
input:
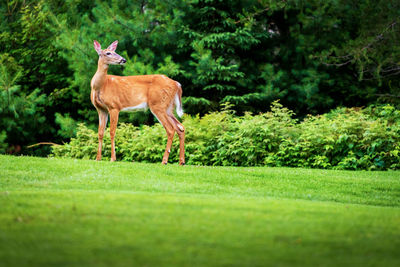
(312, 55)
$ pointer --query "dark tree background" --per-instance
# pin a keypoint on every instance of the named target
(312, 55)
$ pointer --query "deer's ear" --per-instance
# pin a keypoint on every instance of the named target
(113, 46)
(97, 47)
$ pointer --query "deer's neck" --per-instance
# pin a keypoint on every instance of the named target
(100, 76)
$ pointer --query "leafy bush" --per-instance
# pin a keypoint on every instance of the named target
(67, 125)
(341, 139)
(345, 138)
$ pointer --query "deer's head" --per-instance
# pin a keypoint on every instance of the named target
(108, 55)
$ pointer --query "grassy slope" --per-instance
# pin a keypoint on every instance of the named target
(79, 213)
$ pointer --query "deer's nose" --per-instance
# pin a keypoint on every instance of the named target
(123, 60)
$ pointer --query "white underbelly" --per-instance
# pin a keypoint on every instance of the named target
(140, 106)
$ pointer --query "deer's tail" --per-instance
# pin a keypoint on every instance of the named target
(178, 100)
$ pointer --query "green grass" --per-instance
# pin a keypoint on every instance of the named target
(84, 213)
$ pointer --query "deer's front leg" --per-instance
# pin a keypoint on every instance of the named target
(113, 128)
(103, 116)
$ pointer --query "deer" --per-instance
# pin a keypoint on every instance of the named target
(111, 94)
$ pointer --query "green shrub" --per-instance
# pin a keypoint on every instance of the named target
(67, 125)
(345, 138)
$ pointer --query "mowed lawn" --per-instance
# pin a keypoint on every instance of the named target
(63, 212)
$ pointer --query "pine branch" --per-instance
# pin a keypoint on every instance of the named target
(256, 13)
(388, 95)
(350, 56)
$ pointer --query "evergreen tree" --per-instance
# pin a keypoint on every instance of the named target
(313, 55)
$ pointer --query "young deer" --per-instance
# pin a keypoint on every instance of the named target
(111, 94)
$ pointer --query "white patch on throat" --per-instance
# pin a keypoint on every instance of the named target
(140, 106)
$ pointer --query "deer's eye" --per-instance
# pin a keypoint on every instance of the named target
(108, 53)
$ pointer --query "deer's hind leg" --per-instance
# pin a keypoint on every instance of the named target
(169, 128)
(180, 130)
(160, 111)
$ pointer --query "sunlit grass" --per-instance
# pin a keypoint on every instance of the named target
(86, 213)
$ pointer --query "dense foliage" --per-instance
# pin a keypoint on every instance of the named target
(313, 55)
(342, 139)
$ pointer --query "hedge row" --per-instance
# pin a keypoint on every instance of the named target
(345, 138)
